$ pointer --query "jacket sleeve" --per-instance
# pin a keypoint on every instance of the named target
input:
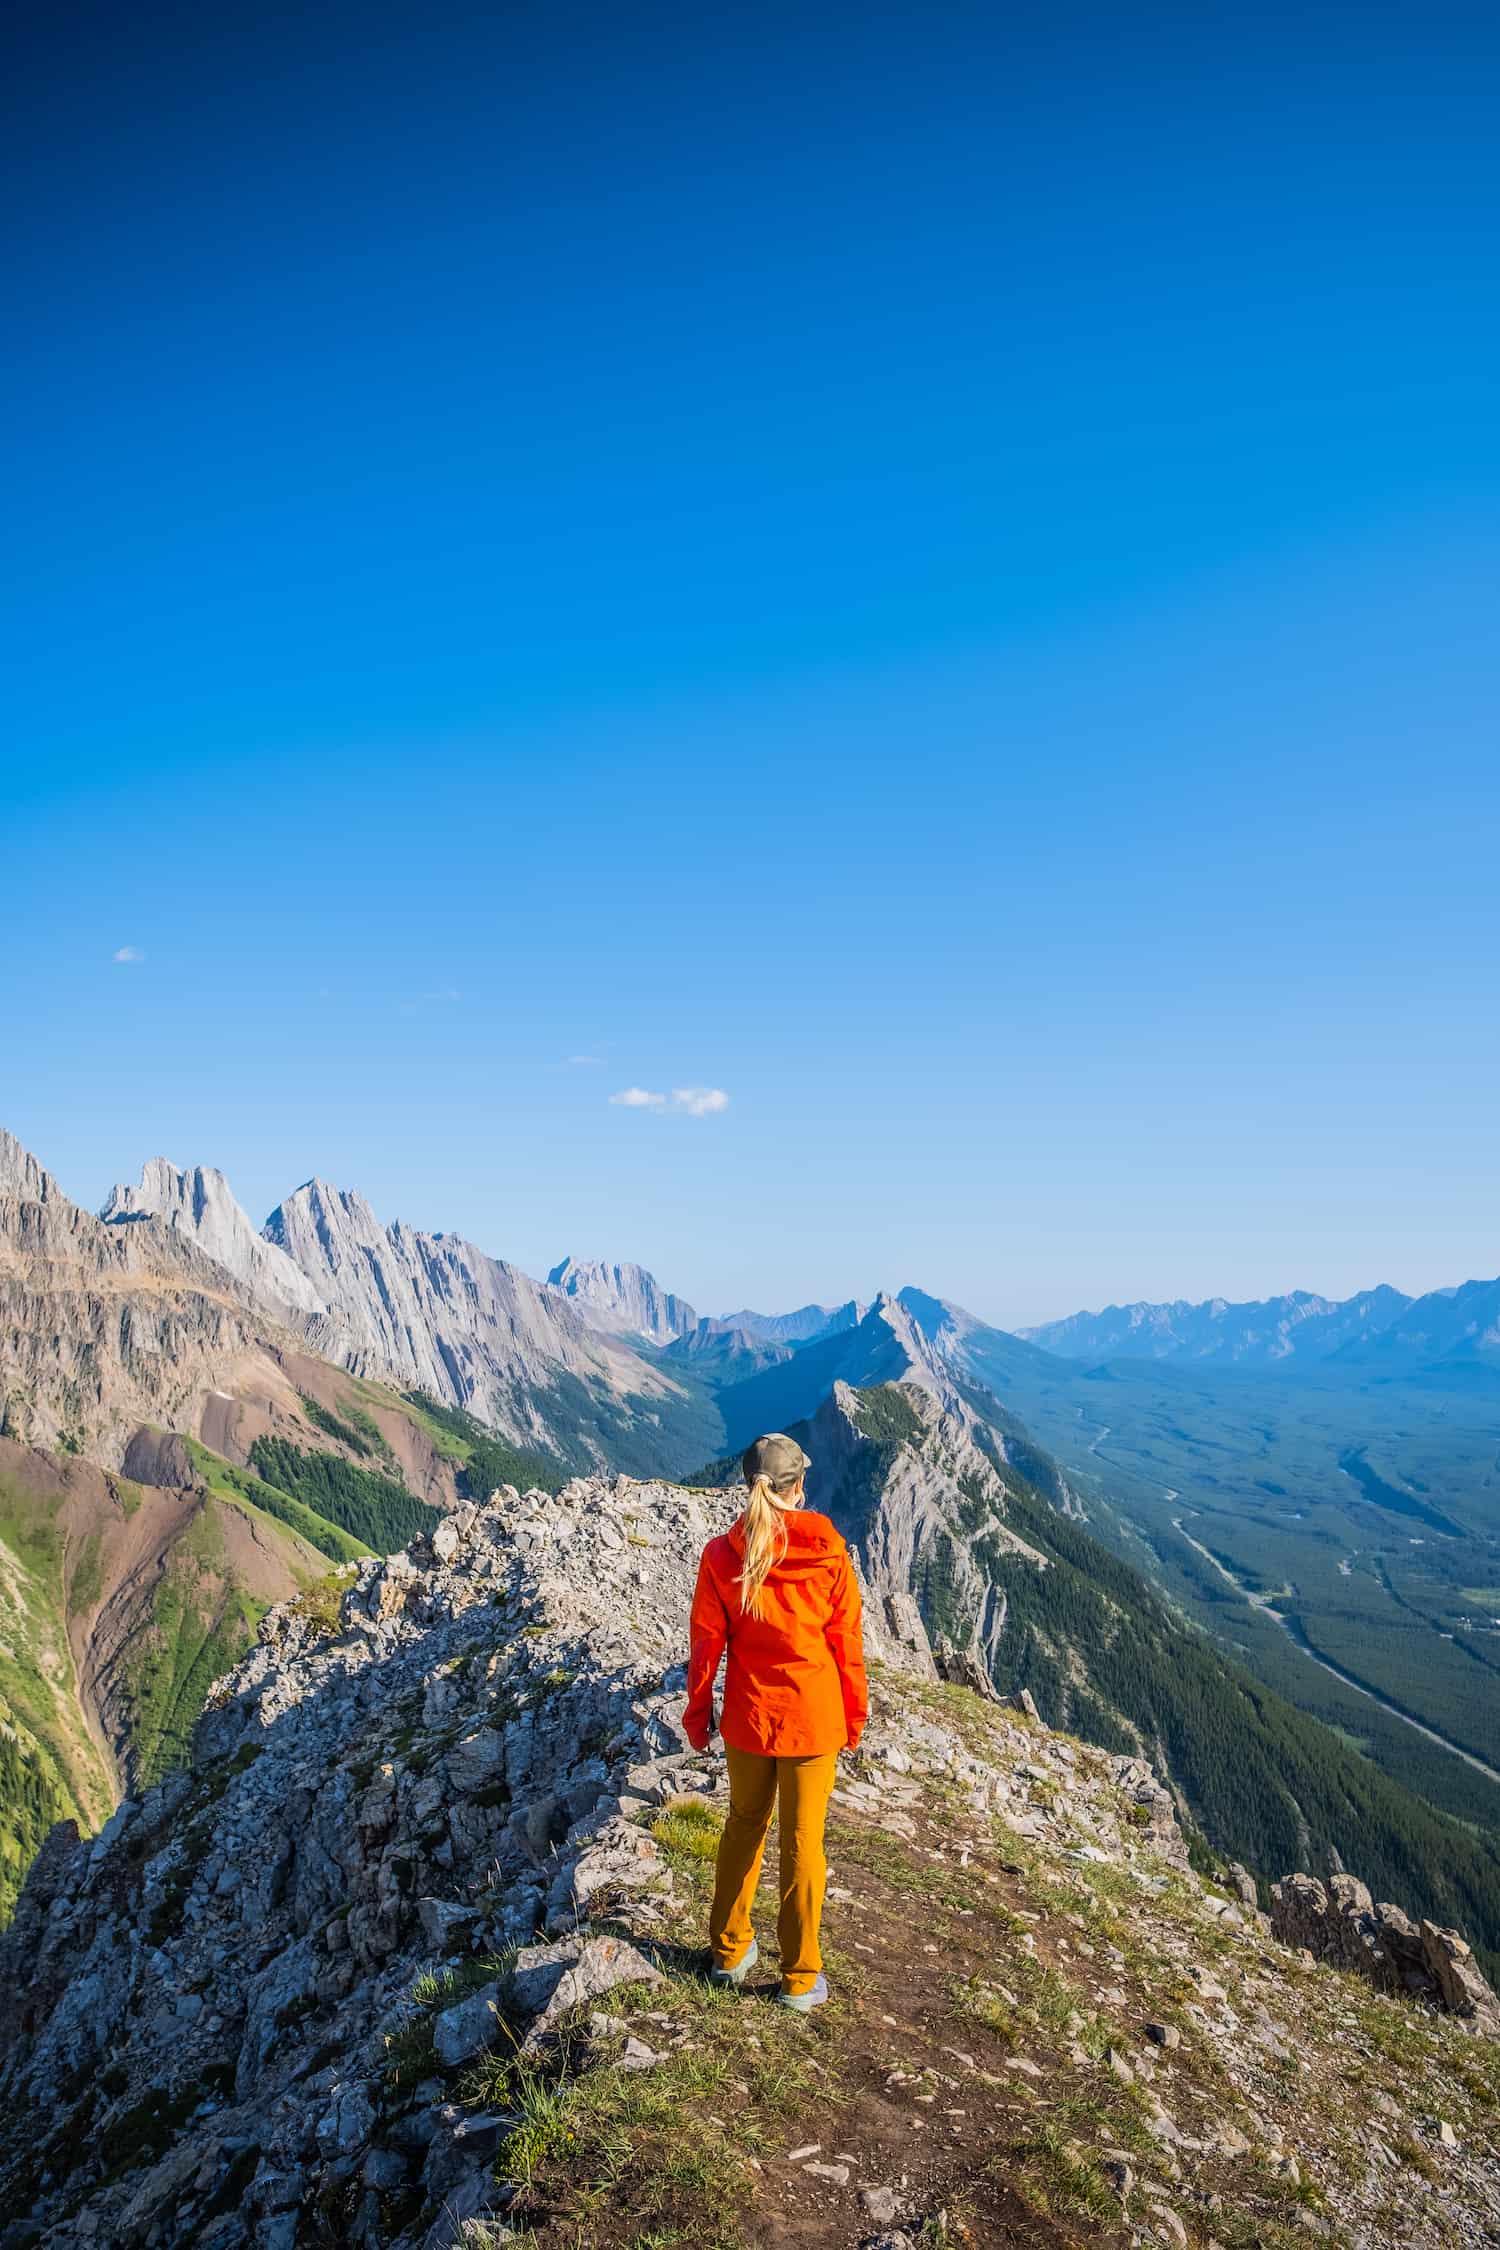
(708, 1632)
(845, 1635)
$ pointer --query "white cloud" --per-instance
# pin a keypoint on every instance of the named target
(584, 1062)
(700, 1101)
(689, 1101)
(129, 953)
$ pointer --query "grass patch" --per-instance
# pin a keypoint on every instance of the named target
(676, 2137)
(196, 1633)
(320, 1604)
(355, 1428)
(1059, 2177)
(241, 1490)
(88, 1576)
(688, 1828)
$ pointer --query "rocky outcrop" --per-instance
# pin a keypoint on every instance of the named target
(1340, 1922)
(624, 1300)
(199, 1203)
(910, 1509)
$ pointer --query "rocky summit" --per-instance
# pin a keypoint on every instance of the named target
(198, 1202)
(623, 1298)
(408, 1957)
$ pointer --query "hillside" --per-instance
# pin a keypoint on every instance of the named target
(962, 1517)
(124, 1595)
(416, 1942)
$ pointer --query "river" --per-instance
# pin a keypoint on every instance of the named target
(1298, 1639)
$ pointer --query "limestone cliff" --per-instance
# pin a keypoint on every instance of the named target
(103, 1328)
(623, 1299)
(438, 1314)
(199, 1203)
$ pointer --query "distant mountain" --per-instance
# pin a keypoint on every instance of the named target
(439, 1315)
(1264, 1332)
(624, 1299)
(732, 1348)
(199, 1203)
(1447, 1326)
(886, 1346)
(801, 1327)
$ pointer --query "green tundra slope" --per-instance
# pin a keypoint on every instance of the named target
(122, 1598)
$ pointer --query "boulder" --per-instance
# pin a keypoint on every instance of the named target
(1465, 1992)
(551, 1979)
(469, 2027)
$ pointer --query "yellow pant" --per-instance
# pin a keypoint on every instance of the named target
(805, 1786)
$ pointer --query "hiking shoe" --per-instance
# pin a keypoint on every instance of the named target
(804, 2002)
(741, 1969)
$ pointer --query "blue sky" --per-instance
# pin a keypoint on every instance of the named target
(935, 575)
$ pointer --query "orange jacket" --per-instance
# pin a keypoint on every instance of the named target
(794, 1686)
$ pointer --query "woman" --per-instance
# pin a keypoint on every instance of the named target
(777, 1589)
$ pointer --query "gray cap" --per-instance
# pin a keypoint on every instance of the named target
(779, 1459)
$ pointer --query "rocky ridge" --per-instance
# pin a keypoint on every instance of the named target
(903, 1513)
(440, 1315)
(198, 1202)
(103, 1328)
(429, 1822)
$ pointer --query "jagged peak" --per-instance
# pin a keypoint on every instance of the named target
(623, 1297)
(22, 1175)
(197, 1202)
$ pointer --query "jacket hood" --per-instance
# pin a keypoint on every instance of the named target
(812, 1542)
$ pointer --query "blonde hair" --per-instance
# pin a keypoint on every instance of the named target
(765, 1539)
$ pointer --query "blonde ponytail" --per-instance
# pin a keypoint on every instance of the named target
(765, 1541)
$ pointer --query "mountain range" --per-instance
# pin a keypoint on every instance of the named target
(262, 1406)
(1377, 1327)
